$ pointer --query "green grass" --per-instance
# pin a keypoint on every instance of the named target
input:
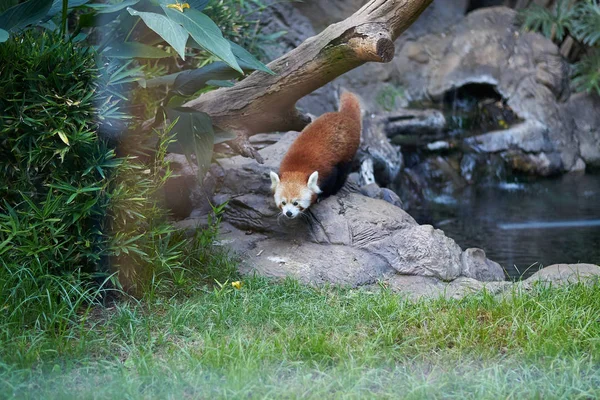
(288, 340)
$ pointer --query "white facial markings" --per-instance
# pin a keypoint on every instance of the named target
(292, 207)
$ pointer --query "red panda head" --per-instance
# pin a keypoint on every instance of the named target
(293, 192)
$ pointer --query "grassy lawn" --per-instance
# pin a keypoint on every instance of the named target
(288, 340)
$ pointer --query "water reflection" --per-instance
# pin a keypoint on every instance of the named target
(524, 225)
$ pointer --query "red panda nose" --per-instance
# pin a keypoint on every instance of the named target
(289, 213)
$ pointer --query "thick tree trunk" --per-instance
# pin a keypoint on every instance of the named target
(266, 103)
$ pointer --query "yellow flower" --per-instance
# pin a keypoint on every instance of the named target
(178, 6)
(237, 284)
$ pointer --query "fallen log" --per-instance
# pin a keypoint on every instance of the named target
(266, 103)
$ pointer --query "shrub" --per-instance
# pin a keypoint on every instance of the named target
(72, 214)
(581, 20)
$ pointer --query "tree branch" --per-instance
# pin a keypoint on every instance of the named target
(266, 103)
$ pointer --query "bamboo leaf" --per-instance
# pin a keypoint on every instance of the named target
(63, 137)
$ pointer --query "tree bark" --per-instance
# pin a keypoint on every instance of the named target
(266, 103)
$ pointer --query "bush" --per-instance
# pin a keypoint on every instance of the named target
(73, 214)
(581, 20)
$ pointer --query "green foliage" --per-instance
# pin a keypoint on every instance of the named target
(586, 23)
(23, 14)
(386, 98)
(553, 23)
(165, 27)
(586, 73)
(54, 181)
(288, 340)
(72, 213)
(582, 21)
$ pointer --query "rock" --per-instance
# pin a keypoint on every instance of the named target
(361, 237)
(336, 264)
(414, 122)
(463, 286)
(477, 266)
(322, 14)
(282, 17)
(583, 109)
(526, 69)
(419, 287)
(373, 191)
(182, 194)
(561, 274)
(415, 287)
(386, 158)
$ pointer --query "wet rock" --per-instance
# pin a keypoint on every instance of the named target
(414, 123)
(534, 163)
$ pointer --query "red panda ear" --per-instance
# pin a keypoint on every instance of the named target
(312, 182)
(274, 181)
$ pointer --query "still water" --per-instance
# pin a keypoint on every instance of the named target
(524, 225)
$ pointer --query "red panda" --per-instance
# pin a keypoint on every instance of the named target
(319, 161)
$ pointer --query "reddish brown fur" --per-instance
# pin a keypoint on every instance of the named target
(331, 139)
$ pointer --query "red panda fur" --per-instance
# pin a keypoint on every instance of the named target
(327, 145)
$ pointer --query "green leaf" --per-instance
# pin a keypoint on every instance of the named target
(220, 83)
(24, 14)
(206, 33)
(190, 81)
(159, 81)
(57, 6)
(134, 50)
(170, 31)
(110, 8)
(197, 4)
(3, 35)
(248, 59)
(193, 130)
(6, 4)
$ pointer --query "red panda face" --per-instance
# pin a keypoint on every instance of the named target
(292, 197)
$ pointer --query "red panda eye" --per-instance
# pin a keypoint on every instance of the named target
(283, 203)
(295, 203)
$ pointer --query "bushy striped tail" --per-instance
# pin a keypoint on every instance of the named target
(350, 106)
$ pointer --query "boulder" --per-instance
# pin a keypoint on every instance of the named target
(562, 274)
(584, 108)
(526, 69)
(477, 266)
(347, 238)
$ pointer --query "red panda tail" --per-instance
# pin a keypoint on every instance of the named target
(350, 106)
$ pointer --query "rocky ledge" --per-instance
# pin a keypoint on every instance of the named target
(348, 239)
